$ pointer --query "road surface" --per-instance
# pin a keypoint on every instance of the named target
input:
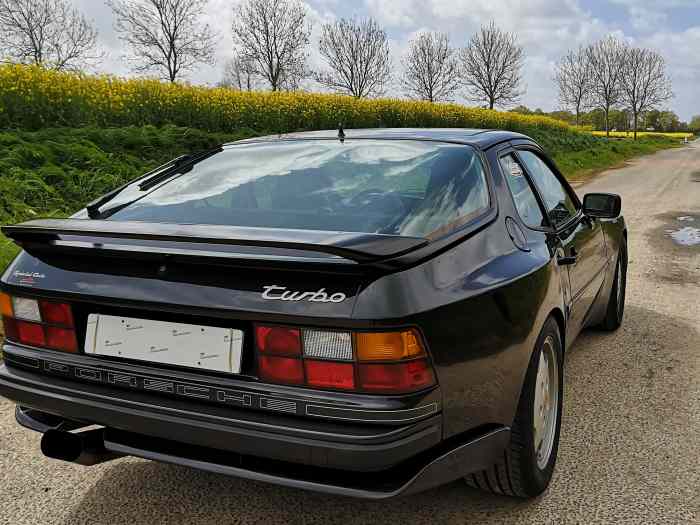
(630, 449)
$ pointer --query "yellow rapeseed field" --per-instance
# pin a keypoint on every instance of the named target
(33, 98)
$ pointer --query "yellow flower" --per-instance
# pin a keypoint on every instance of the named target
(57, 97)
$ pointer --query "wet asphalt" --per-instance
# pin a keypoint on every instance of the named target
(630, 447)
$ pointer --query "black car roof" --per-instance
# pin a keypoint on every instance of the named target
(479, 138)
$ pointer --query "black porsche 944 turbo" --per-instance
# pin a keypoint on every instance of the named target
(364, 312)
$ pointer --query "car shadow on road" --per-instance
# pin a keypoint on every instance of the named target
(607, 374)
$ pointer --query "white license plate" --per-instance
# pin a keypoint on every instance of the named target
(195, 346)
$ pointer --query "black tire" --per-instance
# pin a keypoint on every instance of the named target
(616, 302)
(517, 473)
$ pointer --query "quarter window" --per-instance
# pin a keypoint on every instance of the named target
(558, 202)
(525, 200)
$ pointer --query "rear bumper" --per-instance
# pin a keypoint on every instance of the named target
(324, 456)
(440, 466)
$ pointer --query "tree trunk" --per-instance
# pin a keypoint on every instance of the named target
(607, 123)
(634, 120)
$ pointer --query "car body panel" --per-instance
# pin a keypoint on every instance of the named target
(478, 296)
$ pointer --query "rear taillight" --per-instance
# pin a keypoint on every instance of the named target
(47, 324)
(377, 362)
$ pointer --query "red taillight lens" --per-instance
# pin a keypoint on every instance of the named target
(278, 340)
(10, 328)
(288, 370)
(372, 362)
(39, 323)
(61, 339)
(56, 313)
(330, 374)
(395, 377)
(30, 333)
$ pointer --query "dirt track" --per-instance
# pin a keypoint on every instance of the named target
(631, 431)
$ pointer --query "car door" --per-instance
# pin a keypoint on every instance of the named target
(582, 244)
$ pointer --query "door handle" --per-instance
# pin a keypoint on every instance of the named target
(589, 221)
(568, 260)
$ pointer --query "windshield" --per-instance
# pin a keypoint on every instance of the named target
(398, 187)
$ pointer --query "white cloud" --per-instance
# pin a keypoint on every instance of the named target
(680, 52)
(545, 28)
(650, 15)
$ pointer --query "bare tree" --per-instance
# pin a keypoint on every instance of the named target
(358, 58)
(48, 33)
(431, 70)
(491, 67)
(644, 82)
(574, 80)
(240, 74)
(165, 36)
(607, 59)
(272, 36)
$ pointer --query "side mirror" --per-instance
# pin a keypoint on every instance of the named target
(602, 205)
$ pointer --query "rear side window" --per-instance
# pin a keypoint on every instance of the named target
(559, 204)
(396, 187)
(525, 200)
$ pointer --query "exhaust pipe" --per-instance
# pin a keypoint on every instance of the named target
(84, 448)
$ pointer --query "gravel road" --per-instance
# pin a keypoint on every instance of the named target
(630, 449)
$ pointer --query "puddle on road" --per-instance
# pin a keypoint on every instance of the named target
(687, 236)
(675, 243)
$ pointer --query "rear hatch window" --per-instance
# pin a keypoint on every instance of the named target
(396, 187)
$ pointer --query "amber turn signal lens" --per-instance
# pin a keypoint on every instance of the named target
(6, 305)
(388, 346)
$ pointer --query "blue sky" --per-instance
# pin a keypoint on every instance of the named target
(545, 28)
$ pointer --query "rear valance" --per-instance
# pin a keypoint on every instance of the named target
(358, 247)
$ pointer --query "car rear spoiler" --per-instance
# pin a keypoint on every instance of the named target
(357, 247)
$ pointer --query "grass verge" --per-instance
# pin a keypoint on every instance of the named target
(55, 172)
(581, 165)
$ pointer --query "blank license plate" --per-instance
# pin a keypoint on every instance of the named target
(195, 346)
